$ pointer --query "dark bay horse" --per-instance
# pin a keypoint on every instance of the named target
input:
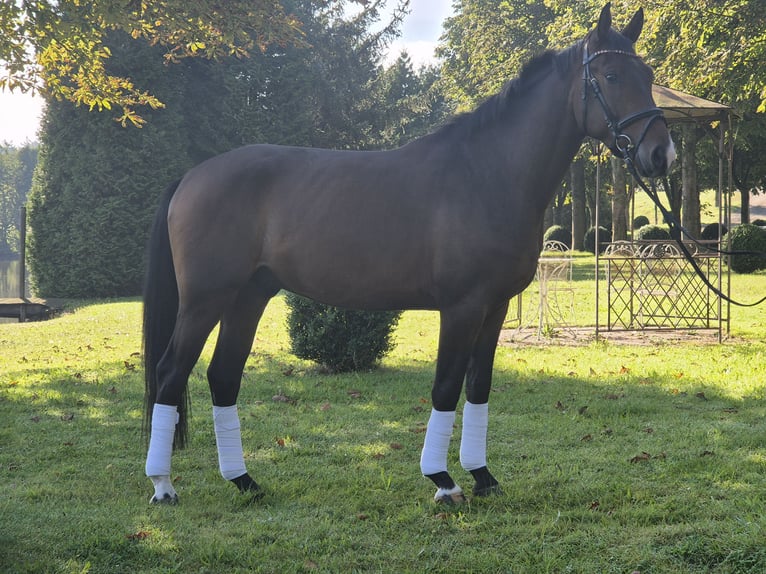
(451, 222)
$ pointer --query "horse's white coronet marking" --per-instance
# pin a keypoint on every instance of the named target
(452, 495)
(164, 493)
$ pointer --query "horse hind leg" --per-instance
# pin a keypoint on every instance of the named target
(194, 324)
(235, 340)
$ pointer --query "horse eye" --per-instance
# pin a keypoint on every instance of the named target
(611, 77)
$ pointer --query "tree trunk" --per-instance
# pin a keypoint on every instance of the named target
(745, 210)
(619, 201)
(690, 202)
(579, 214)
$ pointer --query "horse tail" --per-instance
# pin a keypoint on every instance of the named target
(160, 311)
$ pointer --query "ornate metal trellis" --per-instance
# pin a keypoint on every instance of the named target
(650, 285)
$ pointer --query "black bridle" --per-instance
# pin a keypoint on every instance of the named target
(624, 145)
(622, 142)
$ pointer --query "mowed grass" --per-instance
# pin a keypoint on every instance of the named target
(613, 458)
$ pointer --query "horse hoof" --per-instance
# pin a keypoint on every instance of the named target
(247, 485)
(493, 490)
(164, 493)
(167, 498)
(450, 497)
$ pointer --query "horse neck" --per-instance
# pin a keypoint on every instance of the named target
(532, 146)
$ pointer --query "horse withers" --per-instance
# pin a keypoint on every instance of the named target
(450, 222)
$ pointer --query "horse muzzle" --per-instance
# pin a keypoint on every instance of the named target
(655, 160)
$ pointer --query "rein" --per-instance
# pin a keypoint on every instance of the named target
(624, 144)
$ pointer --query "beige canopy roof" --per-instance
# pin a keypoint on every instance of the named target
(680, 106)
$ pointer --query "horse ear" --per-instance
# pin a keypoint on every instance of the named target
(604, 22)
(633, 29)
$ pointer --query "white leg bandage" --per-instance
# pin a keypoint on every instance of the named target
(433, 459)
(164, 419)
(231, 461)
(473, 444)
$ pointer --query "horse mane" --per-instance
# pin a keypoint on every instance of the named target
(503, 102)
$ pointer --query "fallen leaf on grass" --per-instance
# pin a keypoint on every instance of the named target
(582, 410)
(701, 395)
(586, 438)
(129, 366)
(140, 535)
(560, 406)
(643, 457)
(354, 394)
(707, 453)
(594, 505)
(67, 417)
(283, 398)
(325, 407)
(730, 410)
(395, 446)
(35, 419)
(624, 370)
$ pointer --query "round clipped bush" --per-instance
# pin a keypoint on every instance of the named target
(710, 232)
(559, 233)
(589, 241)
(759, 222)
(751, 241)
(341, 340)
(652, 232)
(640, 221)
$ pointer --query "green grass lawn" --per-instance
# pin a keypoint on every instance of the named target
(613, 458)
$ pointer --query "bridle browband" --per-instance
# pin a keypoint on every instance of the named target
(622, 141)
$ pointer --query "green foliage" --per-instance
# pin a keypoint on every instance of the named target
(485, 44)
(96, 184)
(652, 232)
(747, 238)
(16, 167)
(340, 339)
(558, 233)
(62, 48)
(711, 232)
(640, 221)
(589, 241)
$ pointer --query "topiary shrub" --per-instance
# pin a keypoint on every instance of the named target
(759, 222)
(640, 221)
(750, 238)
(652, 232)
(558, 233)
(589, 240)
(341, 340)
(710, 232)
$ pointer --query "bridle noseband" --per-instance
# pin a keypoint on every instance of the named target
(622, 141)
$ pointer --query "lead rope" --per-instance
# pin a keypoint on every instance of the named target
(677, 229)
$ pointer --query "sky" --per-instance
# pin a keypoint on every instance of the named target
(20, 113)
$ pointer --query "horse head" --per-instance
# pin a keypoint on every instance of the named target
(616, 106)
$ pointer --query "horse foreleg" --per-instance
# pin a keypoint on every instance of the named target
(473, 444)
(458, 331)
